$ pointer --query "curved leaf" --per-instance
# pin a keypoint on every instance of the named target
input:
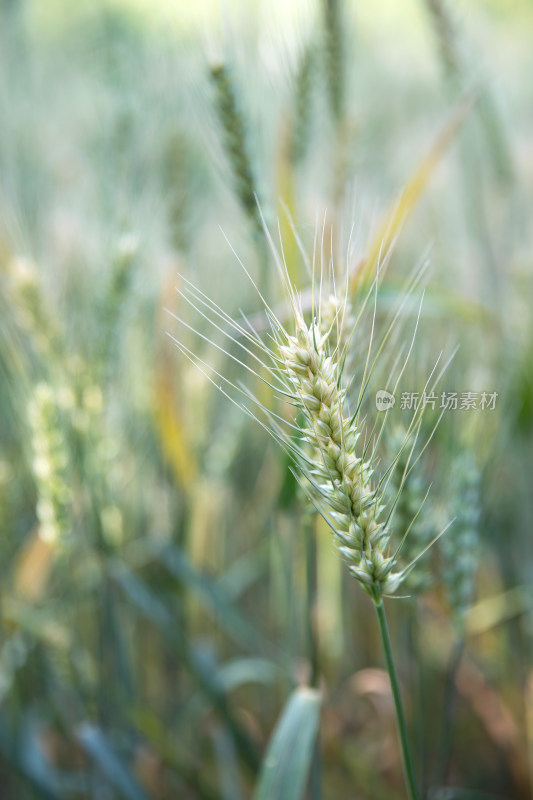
(290, 750)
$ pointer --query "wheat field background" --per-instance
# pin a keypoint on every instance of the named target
(175, 619)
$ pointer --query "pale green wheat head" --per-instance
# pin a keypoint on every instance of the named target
(316, 410)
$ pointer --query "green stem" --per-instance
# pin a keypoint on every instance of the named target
(311, 598)
(409, 770)
(315, 783)
(449, 709)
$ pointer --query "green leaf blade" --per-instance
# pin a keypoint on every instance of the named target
(290, 751)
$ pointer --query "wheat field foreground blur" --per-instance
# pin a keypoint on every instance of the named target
(266, 357)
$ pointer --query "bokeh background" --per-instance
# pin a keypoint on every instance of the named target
(163, 586)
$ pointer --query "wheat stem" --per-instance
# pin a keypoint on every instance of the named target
(450, 698)
(311, 598)
(408, 764)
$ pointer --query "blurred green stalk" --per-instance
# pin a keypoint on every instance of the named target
(312, 642)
